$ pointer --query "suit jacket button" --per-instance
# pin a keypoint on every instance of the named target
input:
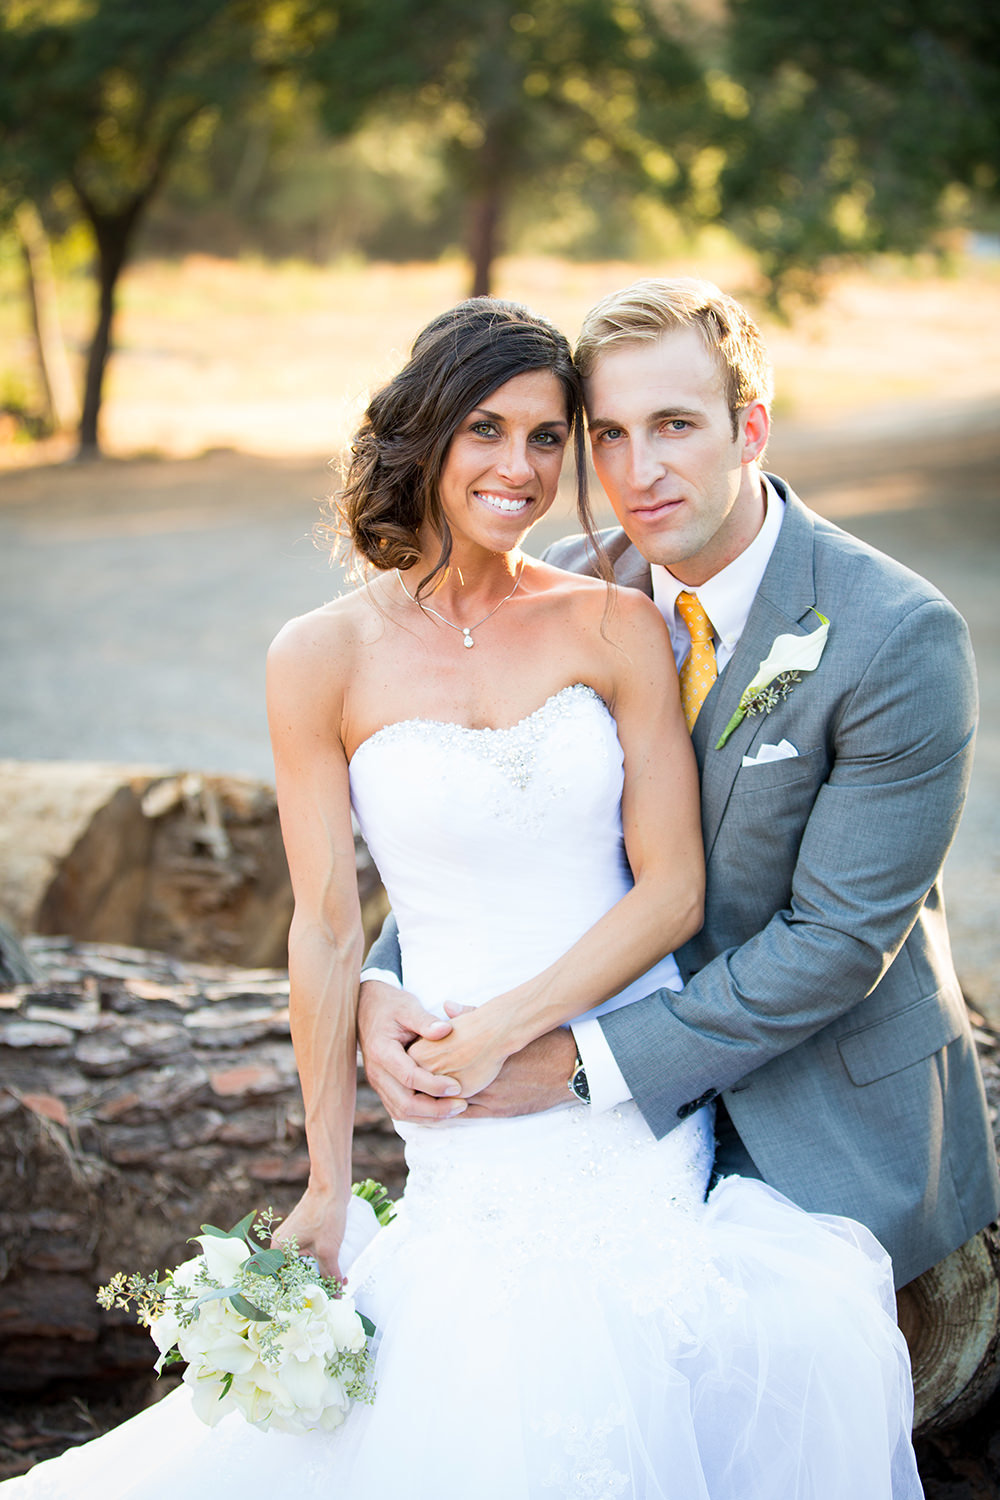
(695, 1104)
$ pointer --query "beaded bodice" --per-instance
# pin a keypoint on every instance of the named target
(498, 847)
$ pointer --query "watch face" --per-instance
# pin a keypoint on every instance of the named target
(580, 1086)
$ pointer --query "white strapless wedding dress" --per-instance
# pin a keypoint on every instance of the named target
(562, 1315)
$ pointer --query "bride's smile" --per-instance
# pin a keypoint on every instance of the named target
(501, 471)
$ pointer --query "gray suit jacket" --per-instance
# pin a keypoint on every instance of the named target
(820, 998)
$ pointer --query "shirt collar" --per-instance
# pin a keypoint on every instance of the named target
(727, 598)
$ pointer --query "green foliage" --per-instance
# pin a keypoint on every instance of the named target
(865, 128)
(542, 96)
(103, 96)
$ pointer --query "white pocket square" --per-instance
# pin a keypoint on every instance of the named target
(784, 751)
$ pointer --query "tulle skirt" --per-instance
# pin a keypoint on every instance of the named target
(561, 1314)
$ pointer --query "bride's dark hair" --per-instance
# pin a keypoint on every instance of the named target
(391, 481)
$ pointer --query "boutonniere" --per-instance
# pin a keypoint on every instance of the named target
(781, 669)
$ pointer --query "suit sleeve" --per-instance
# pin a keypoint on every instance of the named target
(384, 957)
(871, 850)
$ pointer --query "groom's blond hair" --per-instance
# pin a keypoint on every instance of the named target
(641, 312)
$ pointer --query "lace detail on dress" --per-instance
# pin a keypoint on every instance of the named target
(577, 1190)
(512, 751)
(587, 1472)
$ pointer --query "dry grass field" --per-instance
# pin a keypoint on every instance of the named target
(276, 360)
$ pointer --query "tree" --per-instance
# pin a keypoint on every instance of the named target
(856, 128)
(102, 100)
(521, 92)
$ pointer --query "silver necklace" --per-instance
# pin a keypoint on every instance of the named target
(465, 629)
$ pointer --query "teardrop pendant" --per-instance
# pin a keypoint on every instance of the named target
(467, 633)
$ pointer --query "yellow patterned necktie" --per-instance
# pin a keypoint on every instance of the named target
(699, 670)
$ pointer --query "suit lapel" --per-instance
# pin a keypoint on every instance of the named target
(783, 605)
(631, 568)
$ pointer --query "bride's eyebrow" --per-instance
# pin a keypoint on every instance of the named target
(494, 416)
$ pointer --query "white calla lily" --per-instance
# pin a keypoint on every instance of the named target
(223, 1256)
(273, 1341)
(789, 655)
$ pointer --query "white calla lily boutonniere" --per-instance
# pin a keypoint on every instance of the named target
(781, 669)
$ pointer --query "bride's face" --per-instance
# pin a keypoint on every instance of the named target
(502, 466)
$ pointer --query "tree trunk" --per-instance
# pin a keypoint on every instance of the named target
(53, 367)
(485, 220)
(950, 1317)
(486, 210)
(113, 233)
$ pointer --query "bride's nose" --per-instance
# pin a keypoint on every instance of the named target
(514, 463)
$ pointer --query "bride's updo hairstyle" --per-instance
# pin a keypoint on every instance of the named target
(392, 476)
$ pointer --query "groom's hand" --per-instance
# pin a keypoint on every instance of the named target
(534, 1079)
(389, 1019)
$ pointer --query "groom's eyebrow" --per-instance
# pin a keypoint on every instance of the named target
(663, 414)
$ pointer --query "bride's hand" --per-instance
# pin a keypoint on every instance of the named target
(316, 1223)
(474, 1051)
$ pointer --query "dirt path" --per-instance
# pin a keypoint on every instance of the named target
(137, 600)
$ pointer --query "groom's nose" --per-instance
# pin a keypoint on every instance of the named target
(644, 466)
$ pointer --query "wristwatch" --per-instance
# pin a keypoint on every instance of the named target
(578, 1085)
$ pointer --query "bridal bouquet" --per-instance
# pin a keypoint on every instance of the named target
(261, 1331)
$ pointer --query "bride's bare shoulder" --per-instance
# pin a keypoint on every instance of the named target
(354, 616)
(603, 603)
(325, 641)
(569, 587)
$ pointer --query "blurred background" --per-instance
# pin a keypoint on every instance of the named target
(221, 223)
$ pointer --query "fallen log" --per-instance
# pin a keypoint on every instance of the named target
(182, 863)
(142, 1096)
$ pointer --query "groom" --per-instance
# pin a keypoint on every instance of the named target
(820, 1008)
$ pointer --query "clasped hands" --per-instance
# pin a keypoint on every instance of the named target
(426, 1069)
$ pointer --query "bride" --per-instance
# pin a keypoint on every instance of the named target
(561, 1311)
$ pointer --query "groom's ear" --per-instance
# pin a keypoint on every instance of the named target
(755, 428)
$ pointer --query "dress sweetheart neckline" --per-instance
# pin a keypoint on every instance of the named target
(571, 687)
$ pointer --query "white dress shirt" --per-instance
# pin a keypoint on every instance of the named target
(727, 600)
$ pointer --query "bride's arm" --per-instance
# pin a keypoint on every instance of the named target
(662, 827)
(325, 943)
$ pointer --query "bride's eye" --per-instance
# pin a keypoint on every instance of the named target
(484, 429)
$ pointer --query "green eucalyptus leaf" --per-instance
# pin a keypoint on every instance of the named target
(241, 1231)
(212, 1232)
(215, 1295)
(367, 1325)
(248, 1310)
(266, 1262)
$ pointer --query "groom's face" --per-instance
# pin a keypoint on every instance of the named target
(684, 488)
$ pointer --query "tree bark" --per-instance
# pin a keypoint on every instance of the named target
(113, 233)
(486, 210)
(53, 367)
(950, 1317)
(484, 227)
